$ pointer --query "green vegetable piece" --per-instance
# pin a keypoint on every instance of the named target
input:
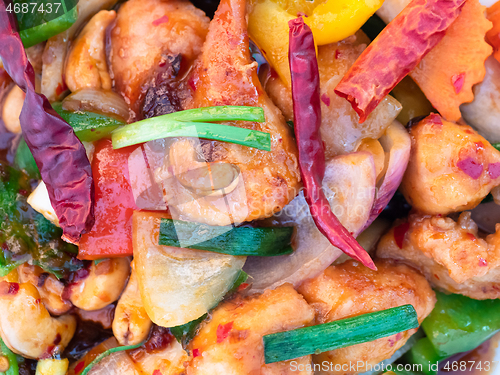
(25, 161)
(190, 123)
(219, 113)
(288, 345)
(424, 356)
(88, 126)
(496, 145)
(186, 332)
(25, 234)
(108, 352)
(240, 279)
(41, 20)
(458, 323)
(226, 239)
(11, 357)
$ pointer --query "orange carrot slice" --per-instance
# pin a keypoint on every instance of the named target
(446, 75)
(493, 35)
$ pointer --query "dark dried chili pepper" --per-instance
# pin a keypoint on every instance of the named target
(396, 51)
(307, 120)
(59, 154)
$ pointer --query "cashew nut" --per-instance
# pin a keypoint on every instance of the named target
(54, 56)
(86, 66)
(102, 286)
(50, 289)
(206, 179)
(26, 326)
(131, 324)
(11, 110)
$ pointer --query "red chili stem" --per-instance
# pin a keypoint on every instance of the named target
(395, 52)
(59, 154)
(307, 121)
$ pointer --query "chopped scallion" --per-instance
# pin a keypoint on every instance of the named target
(288, 345)
(106, 353)
(191, 123)
(185, 333)
(88, 126)
(219, 113)
(226, 239)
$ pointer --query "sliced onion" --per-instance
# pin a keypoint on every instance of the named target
(178, 285)
(397, 145)
(107, 103)
(369, 238)
(349, 185)
(483, 112)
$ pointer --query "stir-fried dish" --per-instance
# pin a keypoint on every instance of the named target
(248, 187)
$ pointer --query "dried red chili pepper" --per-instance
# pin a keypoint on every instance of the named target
(59, 154)
(307, 120)
(396, 51)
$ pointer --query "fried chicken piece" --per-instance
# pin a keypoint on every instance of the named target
(86, 66)
(225, 75)
(144, 34)
(451, 169)
(350, 289)
(231, 341)
(449, 253)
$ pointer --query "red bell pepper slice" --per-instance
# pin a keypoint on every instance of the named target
(111, 235)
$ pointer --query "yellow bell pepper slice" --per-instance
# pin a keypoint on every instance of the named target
(268, 28)
(329, 20)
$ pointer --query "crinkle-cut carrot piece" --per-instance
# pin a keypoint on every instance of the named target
(493, 35)
(446, 75)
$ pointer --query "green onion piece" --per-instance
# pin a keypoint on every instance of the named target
(496, 145)
(219, 113)
(288, 345)
(240, 279)
(88, 126)
(226, 239)
(11, 357)
(108, 352)
(46, 30)
(177, 125)
(185, 333)
(156, 128)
